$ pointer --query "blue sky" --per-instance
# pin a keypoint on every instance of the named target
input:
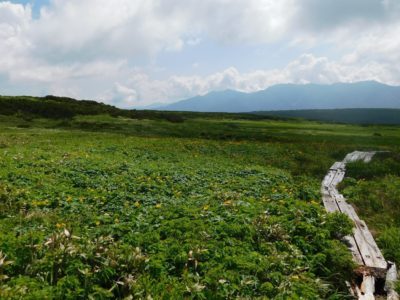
(138, 52)
(35, 4)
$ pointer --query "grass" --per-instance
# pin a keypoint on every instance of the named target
(114, 207)
(374, 189)
(350, 115)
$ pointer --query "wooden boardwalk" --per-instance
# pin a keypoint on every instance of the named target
(372, 266)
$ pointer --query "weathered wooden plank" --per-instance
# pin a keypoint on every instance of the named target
(333, 193)
(369, 156)
(353, 156)
(328, 178)
(369, 251)
(391, 277)
(347, 209)
(364, 250)
(361, 156)
(337, 165)
(352, 245)
(361, 243)
(339, 175)
(367, 289)
(371, 257)
(376, 256)
(356, 155)
(330, 204)
(348, 157)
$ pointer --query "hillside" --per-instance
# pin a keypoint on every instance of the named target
(58, 108)
(53, 107)
(368, 94)
(62, 108)
(351, 116)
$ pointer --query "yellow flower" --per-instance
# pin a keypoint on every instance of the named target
(206, 207)
(60, 225)
(97, 223)
(158, 205)
(137, 204)
(228, 202)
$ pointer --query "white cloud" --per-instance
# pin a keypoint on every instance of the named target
(123, 96)
(14, 21)
(101, 49)
(75, 29)
(306, 69)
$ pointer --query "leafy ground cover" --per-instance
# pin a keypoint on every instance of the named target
(103, 207)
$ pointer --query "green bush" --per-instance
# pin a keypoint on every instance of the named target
(389, 241)
(339, 225)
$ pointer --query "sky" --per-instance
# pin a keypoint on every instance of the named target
(135, 53)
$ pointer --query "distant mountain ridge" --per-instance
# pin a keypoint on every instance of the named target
(364, 94)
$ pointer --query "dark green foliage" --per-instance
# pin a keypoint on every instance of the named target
(385, 163)
(107, 216)
(339, 225)
(389, 240)
(53, 107)
(65, 108)
(103, 207)
(349, 116)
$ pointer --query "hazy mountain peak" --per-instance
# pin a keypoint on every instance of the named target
(288, 96)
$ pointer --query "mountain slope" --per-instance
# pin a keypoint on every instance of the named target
(214, 102)
(367, 94)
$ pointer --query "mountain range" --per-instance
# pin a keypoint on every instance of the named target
(364, 94)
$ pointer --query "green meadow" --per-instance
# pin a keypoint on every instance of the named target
(199, 207)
